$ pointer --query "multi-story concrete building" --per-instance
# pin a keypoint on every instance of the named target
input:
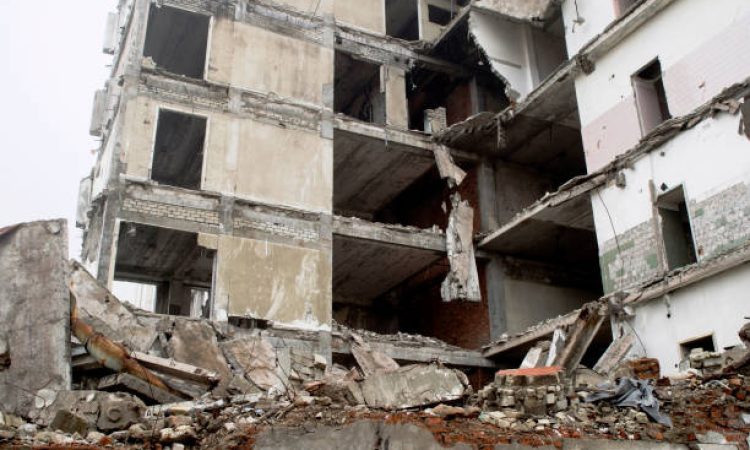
(300, 161)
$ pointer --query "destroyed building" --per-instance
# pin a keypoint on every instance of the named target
(278, 162)
(486, 184)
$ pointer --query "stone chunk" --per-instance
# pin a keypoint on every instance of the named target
(70, 423)
(412, 386)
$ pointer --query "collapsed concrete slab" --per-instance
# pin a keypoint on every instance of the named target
(195, 343)
(412, 386)
(98, 307)
(34, 313)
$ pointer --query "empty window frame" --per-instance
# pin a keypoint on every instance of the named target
(178, 149)
(163, 270)
(402, 19)
(358, 90)
(177, 40)
(650, 97)
(676, 231)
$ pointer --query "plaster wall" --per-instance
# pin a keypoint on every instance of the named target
(712, 162)
(528, 303)
(596, 15)
(287, 284)
(255, 59)
(701, 48)
(715, 306)
(243, 157)
(365, 14)
(519, 54)
(516, 188)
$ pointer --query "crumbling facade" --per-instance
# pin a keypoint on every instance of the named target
(296, 166)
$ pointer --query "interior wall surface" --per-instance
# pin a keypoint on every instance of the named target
(528, 303)
(259, 60)
(243, 157)
(516, 188)
(365, 14)
(712, 163)
(702, 49)
(596, 15)
(716, 306)
(283, 283)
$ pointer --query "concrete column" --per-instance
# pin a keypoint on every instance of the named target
(487, 196)
(494, 270)
(107, 245)
(396, 107)
(495, 279)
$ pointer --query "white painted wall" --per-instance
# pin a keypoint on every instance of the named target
(715, 306)
(596, 15)
(705, 160)
(671, 35)
(517, 53)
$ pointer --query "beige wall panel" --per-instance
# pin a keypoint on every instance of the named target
(282, 283)
(285, 166)
(255, 59)
(367, 14)
(138, 136)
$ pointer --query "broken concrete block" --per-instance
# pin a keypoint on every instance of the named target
(98, 307)
(411, 386)
(256, 358)
(194, 342)
(124, 382)
(119, 411)
(371, 361)
(447, 168)
(70, 423)
(34, 312)
(615, 353)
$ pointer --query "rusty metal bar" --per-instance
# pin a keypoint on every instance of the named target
(108, 353)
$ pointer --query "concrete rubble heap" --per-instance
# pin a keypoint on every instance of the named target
(234, 387)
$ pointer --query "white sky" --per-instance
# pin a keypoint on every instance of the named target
(52, 64)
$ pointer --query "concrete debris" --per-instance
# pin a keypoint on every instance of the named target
(34, 313)
(256, 358)
(580, 335)
(615, 353)
(98, 307)
(371, 362)
(195, 343)
(414, 386)
(447, 168)
(125, 382)
(462, 282)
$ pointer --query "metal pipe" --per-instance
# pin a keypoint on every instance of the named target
(108, 353)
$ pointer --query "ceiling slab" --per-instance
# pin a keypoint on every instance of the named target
(364, 270)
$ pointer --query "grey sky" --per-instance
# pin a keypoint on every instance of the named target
(51, 65)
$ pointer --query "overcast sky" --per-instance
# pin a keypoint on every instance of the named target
(52, 64)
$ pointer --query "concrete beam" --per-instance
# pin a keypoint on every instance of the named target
(389, 234)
